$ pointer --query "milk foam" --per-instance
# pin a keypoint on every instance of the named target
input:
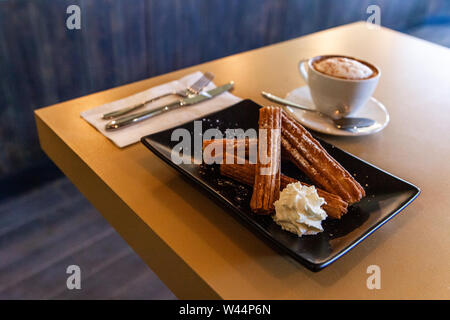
(343, 68)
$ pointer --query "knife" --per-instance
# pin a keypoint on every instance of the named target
(192, 90)
(144, 115)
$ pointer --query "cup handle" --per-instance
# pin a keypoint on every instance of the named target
(302, 69)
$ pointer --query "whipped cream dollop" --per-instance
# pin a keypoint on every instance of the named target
(343, 68)
(299, 211)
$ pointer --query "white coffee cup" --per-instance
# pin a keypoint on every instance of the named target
(337, 97)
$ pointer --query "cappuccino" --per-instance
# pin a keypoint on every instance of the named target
(344, 68)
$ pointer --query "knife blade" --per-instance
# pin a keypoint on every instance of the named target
(144, 115)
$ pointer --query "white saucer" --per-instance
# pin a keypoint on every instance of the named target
(373, 109)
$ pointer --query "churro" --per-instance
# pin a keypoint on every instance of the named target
(311, 158)
(266, 188)
(215, 149)
(335, 207)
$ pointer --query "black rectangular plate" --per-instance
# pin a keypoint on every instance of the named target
(386, 195)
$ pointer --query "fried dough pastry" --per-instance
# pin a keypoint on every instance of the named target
(219, 149)
(311, 158)
(335, 207)
(266, 187)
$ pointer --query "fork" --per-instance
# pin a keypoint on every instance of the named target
(192, 90)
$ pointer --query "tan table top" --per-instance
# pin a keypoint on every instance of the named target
(200, 251)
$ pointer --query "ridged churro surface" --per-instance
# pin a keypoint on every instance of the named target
(335, 207)
(215, 149)
(310, 157)
(266, 188)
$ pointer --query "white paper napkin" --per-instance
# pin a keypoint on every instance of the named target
(131, 134)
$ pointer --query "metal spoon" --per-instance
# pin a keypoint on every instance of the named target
(343, 123)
